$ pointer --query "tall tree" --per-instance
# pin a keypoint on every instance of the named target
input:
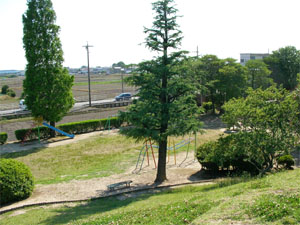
(285, 65)
(166, 104)
(47, 85)
(258, 74)
(210, 67)
(231, 82)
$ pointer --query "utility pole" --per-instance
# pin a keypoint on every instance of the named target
(89, 79)
(197, 52)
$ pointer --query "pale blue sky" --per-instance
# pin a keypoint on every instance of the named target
(225, 28)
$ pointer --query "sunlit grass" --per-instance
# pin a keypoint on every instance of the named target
(273, 199)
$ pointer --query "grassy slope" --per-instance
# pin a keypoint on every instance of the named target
(98, 156)
(266, 200)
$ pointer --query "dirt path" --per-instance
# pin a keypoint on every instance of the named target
(186, 171)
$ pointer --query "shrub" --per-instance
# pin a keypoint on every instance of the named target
(80, 127)
(286, 161)
(16, 181)
(11, 93)
(3, 137)
(228, 153)
(33, 134)
(71, 128)
(4, 89)
(207, 106)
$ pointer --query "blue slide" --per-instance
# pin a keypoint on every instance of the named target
(58, 130)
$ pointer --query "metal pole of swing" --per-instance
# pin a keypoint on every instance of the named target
(89, 79)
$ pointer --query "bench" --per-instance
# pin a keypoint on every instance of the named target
(123, 184)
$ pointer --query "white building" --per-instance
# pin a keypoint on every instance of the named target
(244, 57)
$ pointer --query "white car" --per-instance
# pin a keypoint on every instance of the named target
(22, 104)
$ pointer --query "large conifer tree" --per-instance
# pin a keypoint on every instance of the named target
(166, 104)
(47, 85)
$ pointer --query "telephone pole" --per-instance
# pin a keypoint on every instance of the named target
(88, 62)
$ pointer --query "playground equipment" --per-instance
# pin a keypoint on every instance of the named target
(143, 153)
(58, 130)
(148, 144)
(37, 122)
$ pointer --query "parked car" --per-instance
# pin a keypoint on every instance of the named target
(22, 104)
(123, 96)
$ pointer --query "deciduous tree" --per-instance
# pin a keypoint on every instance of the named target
(47, 85)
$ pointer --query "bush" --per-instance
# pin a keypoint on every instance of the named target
(71, 128)
(4, 89)
(81, 127)
(16, 181)
(207, 106)
(227, 153)
(286, 161)
(33, 134)
(3, 137)
(11, 93)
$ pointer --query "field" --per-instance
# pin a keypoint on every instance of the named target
(102, 87)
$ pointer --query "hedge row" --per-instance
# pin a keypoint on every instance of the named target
(71, 128)
(3, 137)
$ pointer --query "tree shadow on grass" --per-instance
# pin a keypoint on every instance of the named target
(13, 155)
(66, 214)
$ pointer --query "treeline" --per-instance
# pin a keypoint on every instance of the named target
(219, 80)
(260, 105)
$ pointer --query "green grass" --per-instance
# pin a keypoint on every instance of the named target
(97, 82)
(273, 199)
(98, 156)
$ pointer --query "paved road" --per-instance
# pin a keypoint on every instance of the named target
(78, 105)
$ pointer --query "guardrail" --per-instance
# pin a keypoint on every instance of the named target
(95, 105)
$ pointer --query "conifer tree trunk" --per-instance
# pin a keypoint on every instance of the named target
(161, 167)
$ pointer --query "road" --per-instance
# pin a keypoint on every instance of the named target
(78, 105)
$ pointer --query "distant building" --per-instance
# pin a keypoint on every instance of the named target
(244, 57)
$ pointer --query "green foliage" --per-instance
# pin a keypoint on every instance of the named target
(216, 79)
(270, 119)
(285, 65)
(271, 207)
(81, 127)
(286, 161)
(16, 181)
(11, 93)
(71, 128)
(4, 89)
(33, 134)
(208, 106)
(3, 137)
(47, 85)
(166, 104)
(258, 74)
(228, 152)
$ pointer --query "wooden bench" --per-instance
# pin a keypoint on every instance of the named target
(123, 184)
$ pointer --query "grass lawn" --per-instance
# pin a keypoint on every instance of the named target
(98, 156)
(274, 199)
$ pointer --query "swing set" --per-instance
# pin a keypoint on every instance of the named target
(148, 145)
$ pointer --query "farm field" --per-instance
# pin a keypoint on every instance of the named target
(102, 87)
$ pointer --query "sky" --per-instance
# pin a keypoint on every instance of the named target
(115, 28)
